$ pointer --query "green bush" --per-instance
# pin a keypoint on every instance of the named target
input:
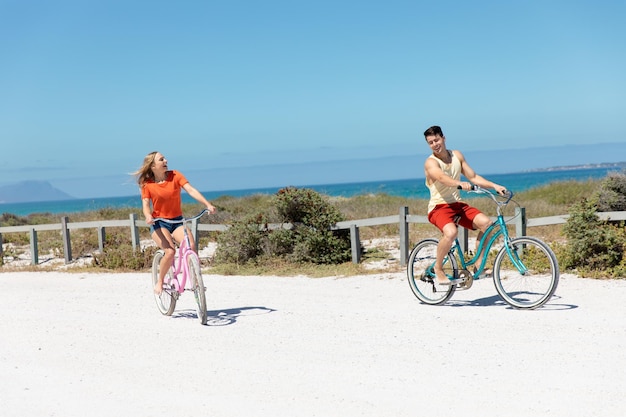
(124, 257)
(593, 245)
(312, 216)
(280, 242)
(612, 193)
(321, 246)
(243, 241)
(308, 240)
(306, 206)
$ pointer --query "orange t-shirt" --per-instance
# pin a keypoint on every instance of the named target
(166, 200)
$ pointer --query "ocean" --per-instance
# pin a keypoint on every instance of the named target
(410, 188)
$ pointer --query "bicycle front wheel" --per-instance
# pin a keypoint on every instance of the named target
(527, 276)
(421, 275)
(166, 301)
(197, 284)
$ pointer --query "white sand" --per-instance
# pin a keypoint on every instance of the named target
(79, 344)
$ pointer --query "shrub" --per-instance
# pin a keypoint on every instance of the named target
(306, 206)
(124, 257)
(612, 193)
(242, 241)
(312, 217)
(280, 242)
(593, 245)
(308, 240)
(321, 246)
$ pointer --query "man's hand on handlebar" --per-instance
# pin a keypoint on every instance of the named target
(467, 186)
(464, 185)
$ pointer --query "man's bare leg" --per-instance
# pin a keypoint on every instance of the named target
(445, 243)
(481, 222)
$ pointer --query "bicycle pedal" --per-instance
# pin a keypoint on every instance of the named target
(467, 279)
(465, 285)
(463, 275)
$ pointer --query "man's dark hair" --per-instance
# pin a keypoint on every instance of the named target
(433, 131)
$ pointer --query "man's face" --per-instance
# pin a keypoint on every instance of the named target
(436, 142)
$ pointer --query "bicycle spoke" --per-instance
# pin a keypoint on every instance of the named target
(526, 275)
(422, 278)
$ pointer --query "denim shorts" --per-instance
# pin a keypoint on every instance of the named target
(170, 227)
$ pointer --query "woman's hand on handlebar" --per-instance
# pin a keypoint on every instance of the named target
(501, 190)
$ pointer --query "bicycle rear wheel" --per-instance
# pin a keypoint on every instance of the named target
(166, 301)
(527, 278)
(421, 276)
(197, 284)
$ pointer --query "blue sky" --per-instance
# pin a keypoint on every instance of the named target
(230, 89)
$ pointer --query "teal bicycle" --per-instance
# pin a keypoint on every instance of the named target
(525, 270)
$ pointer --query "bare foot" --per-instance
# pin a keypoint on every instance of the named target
(487, 273)
(158, 288)
(442, 278)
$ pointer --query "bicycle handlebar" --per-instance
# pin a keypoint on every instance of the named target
(183, 220)
(481, 190)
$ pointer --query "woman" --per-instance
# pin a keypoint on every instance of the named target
(162, 187)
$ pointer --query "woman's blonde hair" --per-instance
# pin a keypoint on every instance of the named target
(145, 172)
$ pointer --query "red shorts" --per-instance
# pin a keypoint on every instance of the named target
(459, 213)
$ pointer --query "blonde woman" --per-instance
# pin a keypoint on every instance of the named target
(161, 197)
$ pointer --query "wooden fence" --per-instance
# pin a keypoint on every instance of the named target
(403, 219)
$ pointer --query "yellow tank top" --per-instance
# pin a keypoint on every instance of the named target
(439, 193)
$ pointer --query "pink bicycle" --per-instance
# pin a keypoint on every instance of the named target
(183, 275)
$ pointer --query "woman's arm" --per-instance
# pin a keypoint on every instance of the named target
(147, 212)
(197, 195)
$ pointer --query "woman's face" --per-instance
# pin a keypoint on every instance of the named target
(160, 163)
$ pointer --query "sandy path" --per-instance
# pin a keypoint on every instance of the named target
(95, 344)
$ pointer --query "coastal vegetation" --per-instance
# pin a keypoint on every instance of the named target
(584, 245)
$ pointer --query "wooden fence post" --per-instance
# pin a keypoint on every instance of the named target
(101, 238)
(463, 239)
(134, 231)
(67, 246)
(404, 235)
(194, 231)
(355, 243)
(34, 251)
(520, 221)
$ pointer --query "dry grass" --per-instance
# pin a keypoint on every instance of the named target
(549, 200)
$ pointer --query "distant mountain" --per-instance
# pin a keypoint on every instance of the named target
(616, 165)
(399, 162)
(28, 191)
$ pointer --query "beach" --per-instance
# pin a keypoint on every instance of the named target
(78, 343)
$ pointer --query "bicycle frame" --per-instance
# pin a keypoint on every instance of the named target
(525, 269)
(494, 231)
(180, 268)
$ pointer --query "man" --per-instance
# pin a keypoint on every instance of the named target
(443, 171)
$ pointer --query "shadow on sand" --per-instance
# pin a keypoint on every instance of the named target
(495, 300)
(224, 317)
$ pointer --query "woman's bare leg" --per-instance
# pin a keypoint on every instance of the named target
(163, 239)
